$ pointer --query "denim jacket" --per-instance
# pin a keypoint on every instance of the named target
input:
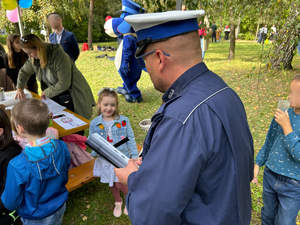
(119, 130)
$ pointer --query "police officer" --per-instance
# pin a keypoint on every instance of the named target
(197, 161)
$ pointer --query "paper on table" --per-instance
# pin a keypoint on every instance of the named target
(69, 121)
(10, 98)
(53, 106)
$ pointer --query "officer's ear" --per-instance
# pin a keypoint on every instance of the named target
(162, 60)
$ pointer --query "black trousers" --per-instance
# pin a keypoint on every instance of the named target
(226, 35)
(214, 36)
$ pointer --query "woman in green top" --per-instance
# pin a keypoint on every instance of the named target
(59, 77)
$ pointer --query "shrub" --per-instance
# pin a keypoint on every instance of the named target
(241, 36)
(249, 36)
(3, 39)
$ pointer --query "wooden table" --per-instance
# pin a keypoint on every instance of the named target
(83, 174)
(61, 131)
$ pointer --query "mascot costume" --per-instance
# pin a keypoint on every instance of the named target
(128, 66)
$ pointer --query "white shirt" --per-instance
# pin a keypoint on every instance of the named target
(273, 29)
(58, 36)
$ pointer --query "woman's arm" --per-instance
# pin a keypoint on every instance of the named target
(24, 74)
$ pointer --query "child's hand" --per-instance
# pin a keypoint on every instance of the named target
(255, 173)
(283, 119)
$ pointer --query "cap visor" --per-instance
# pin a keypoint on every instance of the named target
(140, 51)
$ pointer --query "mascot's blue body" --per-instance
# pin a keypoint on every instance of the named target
(128, 66)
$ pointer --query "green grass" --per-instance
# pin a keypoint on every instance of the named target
(258, 88)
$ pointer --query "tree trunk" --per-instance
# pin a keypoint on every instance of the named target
(206, 22)
(90, 26)
(46, 28)
(257, 30)
(221, 23)
(221, 20)
(47, 34)
(261, 12)
(232, 42)
(237, 30)
(284, 44)
(232, 36)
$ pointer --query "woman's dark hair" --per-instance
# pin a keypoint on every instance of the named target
(11, 52)
(2, 50)
(6, 139)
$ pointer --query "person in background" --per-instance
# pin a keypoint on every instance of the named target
(226, 31)
(264, 33)
(273, 32)
(214, 33)
(15, 59)
(63, 37)
(5, 81)
(219, 36)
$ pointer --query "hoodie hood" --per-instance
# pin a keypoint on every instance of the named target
(44, 162)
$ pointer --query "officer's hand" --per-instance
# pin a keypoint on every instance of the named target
(123, 173)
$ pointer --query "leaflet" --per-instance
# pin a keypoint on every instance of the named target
(107, 151)
(68, 121)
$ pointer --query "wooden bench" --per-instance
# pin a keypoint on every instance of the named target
(83, 174)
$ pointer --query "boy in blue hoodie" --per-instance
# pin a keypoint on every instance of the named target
(36, 178)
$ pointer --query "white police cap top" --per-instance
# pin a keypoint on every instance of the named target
(152, 27)
(147, 20)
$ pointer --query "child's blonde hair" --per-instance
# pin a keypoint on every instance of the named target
(111, 93)
(33, 115)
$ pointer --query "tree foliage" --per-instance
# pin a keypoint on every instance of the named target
(248, 15)
(285, 42)
(75, 15)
